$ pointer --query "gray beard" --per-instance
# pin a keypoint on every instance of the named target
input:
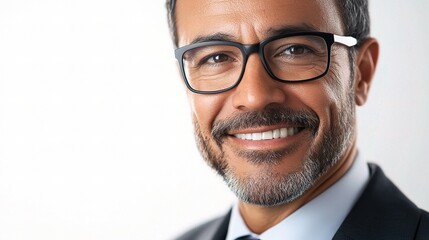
(268, 187)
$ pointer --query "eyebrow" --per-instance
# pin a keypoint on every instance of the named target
(273, 31)
(213, 37)
(287, 29)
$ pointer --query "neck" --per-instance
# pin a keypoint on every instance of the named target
(260, 218)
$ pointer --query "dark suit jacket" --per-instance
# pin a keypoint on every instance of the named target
(382, 212)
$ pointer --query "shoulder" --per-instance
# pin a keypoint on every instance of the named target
(384, 212)
(212, 229)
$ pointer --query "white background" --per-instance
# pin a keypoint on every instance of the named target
(95, 132)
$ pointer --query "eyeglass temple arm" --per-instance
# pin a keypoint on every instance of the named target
(345, 40)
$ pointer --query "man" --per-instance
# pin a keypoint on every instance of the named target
(273, 86)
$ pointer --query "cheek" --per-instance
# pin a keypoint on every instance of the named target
(206, 108)
(316, 96)
(341, 84)
(337, 90)
(336, 87)
(324, 97)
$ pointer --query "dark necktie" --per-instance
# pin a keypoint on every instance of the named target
(247, 237)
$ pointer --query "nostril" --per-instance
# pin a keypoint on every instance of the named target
(257, 97)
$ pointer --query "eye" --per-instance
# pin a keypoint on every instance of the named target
(216, 58)
(296, 50)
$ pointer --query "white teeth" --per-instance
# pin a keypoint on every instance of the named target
(276, 133)
(283, 132)
(268, 135)
(256, 136)
(290, 131)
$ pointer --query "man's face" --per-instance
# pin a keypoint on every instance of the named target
(315, 119)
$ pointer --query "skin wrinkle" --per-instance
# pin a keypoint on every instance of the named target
(207, 151)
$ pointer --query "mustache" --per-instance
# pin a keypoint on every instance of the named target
(271, 115)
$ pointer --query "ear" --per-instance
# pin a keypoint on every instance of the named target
(366, 61)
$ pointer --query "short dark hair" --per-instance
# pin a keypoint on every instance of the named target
(355, 16)
(354, 13)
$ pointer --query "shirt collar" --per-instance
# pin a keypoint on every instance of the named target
(323, 215)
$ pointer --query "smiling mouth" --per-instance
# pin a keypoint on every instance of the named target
(269, 135)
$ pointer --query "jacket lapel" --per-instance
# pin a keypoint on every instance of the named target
(222, 229)
(213, 230)
(382, 212)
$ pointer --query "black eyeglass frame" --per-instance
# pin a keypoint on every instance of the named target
(247, 49)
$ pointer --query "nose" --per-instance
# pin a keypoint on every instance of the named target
(257, 89)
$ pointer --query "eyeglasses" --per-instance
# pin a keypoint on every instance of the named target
(218, 66)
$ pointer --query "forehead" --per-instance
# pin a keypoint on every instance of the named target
(252, 21)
